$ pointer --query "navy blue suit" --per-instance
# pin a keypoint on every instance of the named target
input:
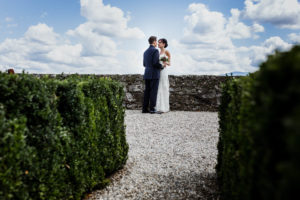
(151, 77)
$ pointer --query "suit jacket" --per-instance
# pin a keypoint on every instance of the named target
(151, 63)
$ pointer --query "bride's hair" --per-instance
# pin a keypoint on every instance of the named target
(163, 40)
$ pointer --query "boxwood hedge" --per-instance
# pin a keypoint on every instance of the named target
(259, 144)
(59, 138)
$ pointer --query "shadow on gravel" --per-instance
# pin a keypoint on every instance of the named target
(187, 186)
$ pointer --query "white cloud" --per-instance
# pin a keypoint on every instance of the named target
(282, 13)
(276, 43)
(294, 37)
(41, 50)
(30, 51)
(258, 54)
(108, 20)
(66, 54)
(201, 20)
(209, 26)
(238, 30)
(104, 30)
(220, 61)
(207, 47)
(205, 28)
(257, 28)
(93, 43)
(95, 49)
(41, 33)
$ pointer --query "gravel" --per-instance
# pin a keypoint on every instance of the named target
(171, 156)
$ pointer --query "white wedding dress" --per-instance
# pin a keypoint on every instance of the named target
(162, 101)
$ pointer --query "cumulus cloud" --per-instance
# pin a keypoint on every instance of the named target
(107, 20)
(282, 13)
(30, 52)
(94, 48)
(93, 43)
(105, 24)
(207, 45)
(294, 37)
(41, 33)
(41, 50)
(257, 28)
(276, 43)
(201, 19)
(238, 30)
(258, 53)
(105, 28)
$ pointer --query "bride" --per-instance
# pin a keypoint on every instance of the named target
(162, 101)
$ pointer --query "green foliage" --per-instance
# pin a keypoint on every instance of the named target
(260, 132)
(59, 138)
(14, 156)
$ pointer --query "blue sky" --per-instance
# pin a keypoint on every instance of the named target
(109, 36)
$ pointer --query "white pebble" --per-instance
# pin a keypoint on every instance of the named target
(171, 156)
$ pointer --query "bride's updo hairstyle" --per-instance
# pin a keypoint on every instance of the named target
(164, 41)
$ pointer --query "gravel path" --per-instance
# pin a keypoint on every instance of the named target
(171, 156)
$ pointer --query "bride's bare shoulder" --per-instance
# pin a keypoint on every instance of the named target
(168, 53)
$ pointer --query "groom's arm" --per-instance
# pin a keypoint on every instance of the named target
(156, 60)
(144, 63)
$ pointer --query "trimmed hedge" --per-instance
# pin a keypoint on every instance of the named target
(59, 138)
(259, 144)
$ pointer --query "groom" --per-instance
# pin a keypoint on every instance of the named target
(151, 75)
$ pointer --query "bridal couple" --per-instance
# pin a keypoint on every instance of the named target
(156, 94)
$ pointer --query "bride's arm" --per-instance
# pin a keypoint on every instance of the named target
(169, 57)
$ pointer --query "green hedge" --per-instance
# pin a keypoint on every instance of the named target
(259, 144)
(59, 138)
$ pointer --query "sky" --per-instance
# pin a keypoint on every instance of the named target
(206, 37)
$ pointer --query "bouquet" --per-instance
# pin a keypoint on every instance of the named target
(164, 59)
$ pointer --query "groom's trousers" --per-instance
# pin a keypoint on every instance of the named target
(150, 94)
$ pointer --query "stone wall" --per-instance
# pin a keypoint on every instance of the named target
(187, 93)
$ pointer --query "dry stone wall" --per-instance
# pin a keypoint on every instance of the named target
(187, 93)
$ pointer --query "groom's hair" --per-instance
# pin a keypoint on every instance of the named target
(152, 39)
